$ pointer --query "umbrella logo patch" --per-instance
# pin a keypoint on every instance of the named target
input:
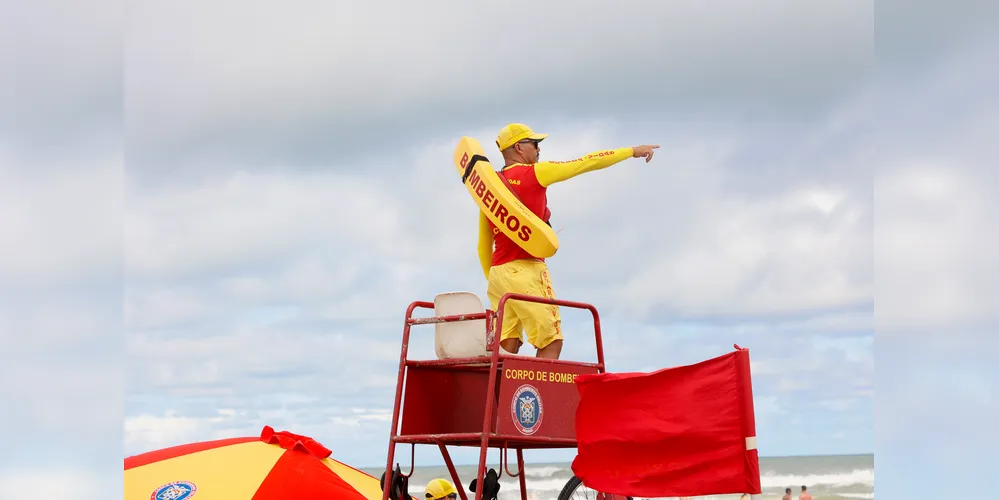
(177, 490)
(527, 409)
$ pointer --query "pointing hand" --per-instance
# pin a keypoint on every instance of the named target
(645, 151)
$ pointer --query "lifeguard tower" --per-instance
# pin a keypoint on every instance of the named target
(495, 399)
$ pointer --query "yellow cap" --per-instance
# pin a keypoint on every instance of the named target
(516, 132)
(439, 488)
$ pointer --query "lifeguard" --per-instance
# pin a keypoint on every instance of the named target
(507, 266)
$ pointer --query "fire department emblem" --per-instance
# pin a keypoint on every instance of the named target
(178, 490)
(527, 409)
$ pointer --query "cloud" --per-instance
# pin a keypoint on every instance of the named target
(767, 406)
(58, 482)
(935, 214)
(933, 253)
(839, 404)
(249, 217)
(60, 297)
(60, 230)
(61, 221)
(315, 83)
(747, 257)
(336, 426)
(62, 69)
(150, 432)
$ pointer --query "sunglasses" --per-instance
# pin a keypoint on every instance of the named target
(450, 496)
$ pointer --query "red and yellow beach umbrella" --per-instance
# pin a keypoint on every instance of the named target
(275, 465)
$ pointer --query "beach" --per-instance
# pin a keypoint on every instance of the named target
(838, 477)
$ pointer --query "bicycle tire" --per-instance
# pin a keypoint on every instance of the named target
(570, 487)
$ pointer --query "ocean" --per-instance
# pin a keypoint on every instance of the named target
(827, 477)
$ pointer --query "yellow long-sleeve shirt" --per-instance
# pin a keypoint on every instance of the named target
(548, 173)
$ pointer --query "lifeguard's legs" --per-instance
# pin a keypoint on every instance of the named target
(550, 351)
(511, 345)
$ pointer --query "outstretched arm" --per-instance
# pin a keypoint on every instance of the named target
(550, 172)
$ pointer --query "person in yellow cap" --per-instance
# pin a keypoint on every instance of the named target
(439, 489)
(507, 266)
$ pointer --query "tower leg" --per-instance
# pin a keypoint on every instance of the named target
(523, 469)
(454, 472)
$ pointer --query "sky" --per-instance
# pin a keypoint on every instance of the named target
(180, 262)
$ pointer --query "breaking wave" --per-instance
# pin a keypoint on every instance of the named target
(857, 476)
(546, 471)
(538, 486)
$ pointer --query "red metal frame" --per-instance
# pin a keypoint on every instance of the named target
(492, 364)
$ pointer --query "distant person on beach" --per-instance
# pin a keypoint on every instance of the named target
(440, 489)
(510, 269)
(787, 494)
(804, 494)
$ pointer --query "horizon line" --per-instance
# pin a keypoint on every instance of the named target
(456, 464)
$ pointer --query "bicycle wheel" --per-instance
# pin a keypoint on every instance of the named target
(574, 489)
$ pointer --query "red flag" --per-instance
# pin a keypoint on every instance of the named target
(683, 431)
